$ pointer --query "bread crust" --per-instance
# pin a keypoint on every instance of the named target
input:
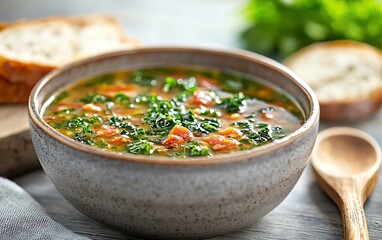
(30, 72)
(351, 111)
(14, 92)
(362, 47)
(17, 77)
(20, 72)
(340, 110)
(74, 20)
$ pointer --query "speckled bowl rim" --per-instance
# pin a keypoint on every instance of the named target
(311, 119)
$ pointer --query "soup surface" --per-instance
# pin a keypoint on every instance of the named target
(175, 112)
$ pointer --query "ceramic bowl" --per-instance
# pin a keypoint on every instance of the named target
(159, 197)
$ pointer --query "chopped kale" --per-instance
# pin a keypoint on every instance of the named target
(79, 123)
(204, 125)
(101, 143)
(194, 149)
(95, 119)
(234, 85)
(143, 78)
(117, 121)
(234, 104)
(94, 98)
(181, 97)
(140, 99)
(170, 83)
(122, 99)
(82, 137)
(163, 115)
(266, 109)
(278, 132)
(261, 136)
(188, 85)
(210, 112)
(255, 133)
(140, 147)
(247, 124)
(134, 132)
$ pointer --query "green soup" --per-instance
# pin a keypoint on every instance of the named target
(173, 112)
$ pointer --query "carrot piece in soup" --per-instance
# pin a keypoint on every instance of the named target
(208, 83)
(177, 136)
(220, 143)
(173, 141)
(181, 132)
(201, 98)
(106, 131)
(230, 132)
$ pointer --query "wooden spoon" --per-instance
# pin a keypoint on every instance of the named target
(347, 162)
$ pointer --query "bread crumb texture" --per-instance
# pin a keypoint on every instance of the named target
(57, 41)
(29, 49)
(339, 70)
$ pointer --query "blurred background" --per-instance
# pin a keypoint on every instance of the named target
(191, 22)
(274, 27)
(280, 27)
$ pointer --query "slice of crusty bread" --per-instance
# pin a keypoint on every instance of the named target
(345, 75)
(17, 92)
(30, 49)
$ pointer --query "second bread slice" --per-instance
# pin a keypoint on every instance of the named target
(346, 77)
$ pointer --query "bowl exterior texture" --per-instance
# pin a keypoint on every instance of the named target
(173, 201)
(170, 201)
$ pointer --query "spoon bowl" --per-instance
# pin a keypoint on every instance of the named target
(346, 162)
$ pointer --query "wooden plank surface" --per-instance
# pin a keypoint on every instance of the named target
(17, 155)
(307, 213)
(13, 119)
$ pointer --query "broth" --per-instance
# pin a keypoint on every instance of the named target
(175, 112)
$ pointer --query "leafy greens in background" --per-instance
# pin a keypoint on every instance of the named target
(278, 28)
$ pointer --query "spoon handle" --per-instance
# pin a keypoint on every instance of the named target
(353, 217)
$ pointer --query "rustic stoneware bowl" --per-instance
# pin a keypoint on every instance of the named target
(160, 197)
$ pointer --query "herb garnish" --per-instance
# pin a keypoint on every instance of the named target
(210, 112)
(94, 98)
(255, 133)
(122, 98)
(194, 149)
(189, 84)
(234, 104)
(143, 78)
(133, 132)
(82, 137)
(140, 147)
(79, 123)
(163, 115)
